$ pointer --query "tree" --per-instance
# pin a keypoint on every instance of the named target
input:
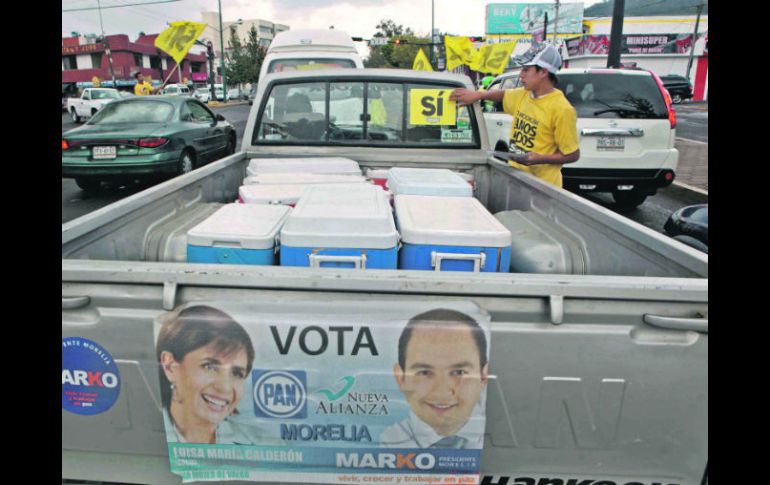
(392, 55)
(255, 54)
(237, 65)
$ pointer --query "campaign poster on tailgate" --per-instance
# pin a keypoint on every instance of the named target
(324, 392)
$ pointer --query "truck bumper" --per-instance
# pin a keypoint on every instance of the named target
(160, 164)
(608, 180)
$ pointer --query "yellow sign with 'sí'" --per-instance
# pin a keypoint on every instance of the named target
(432, 107)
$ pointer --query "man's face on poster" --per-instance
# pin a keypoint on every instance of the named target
(443, 378)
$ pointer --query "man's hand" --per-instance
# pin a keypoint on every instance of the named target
(464, 96)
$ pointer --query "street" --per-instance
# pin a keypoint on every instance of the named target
(692, 121)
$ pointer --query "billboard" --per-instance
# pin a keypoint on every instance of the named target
(631, 44)
(526, 18)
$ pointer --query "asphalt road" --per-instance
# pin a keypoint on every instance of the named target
(692, 121)
(653, 213)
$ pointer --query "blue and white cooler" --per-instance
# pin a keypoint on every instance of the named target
(450, 234)
(428, 181)
(329, 165)
(302, 179)
(341, 226)
(283, 194)
(238, 234)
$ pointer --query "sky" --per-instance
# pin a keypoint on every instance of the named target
(358, 17)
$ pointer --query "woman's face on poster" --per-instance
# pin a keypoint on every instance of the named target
(209, 385)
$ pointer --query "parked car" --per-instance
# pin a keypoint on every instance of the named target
(690, 225)
(176, 89)
(234, 94)
(679, 87)
(146, 138)
(89, 102)
(202, 94)
(627, 127)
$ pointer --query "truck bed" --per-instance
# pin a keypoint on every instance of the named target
(600, 376)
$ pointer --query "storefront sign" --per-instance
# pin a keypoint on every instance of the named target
(526, 18)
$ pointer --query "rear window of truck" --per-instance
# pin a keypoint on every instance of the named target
(361, 113)
(283, 65)
(609, 95)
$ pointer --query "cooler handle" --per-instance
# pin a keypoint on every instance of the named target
(359, 262)
(479, 260)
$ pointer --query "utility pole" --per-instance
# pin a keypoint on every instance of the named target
(556, 23)
(222, 59)
(107, 46)
(694, 39)
(616, 33)
(545, 27)
(432, 33)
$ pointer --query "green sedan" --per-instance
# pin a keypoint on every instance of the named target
(145, 137)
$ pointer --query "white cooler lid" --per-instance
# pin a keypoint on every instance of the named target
(341, 216)
(303, 178)
(448, 221)
(428, 181)
(334, 165)
(246, 226)
(267, 194)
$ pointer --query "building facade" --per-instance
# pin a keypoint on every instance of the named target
(84, 58)
(266, 30)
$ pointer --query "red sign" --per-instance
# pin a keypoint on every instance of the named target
(199, 76)
(81, 49)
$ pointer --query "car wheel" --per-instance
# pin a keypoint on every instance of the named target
(692, 242)
(93, 112)
(629, 199)
(90, 185)
(74, 116)
(230, 145)
(676, 99)
(186, 162)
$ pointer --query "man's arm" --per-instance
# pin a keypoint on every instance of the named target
(557, 158)
(469, 96)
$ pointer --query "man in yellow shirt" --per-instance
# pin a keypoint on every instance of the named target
(544, 130)
(143, 88)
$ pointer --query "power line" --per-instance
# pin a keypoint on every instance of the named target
(119, 6)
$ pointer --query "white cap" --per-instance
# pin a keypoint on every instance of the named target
(548, 58)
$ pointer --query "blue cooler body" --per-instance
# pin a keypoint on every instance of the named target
(238, 234)
(450, 234)
(341, 226)
(427, 181)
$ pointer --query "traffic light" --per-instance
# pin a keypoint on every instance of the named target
(476, 39)
(400, 41)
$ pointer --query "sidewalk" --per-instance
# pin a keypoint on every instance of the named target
(693, 163)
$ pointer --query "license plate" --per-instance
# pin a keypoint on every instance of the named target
(102, 153)
(610, 144)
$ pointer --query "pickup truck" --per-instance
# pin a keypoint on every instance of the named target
(598, 368)
(89, 102)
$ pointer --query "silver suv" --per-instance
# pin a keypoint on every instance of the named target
(627, 126)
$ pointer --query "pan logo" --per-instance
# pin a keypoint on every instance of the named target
(279, 394)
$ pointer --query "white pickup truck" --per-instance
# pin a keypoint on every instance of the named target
(599, 348)
(89, 102)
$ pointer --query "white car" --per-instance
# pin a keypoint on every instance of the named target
(234, 94)
(89, 102)
(626, 125)
(176, 90)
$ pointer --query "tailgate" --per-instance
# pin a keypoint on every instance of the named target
(601, 379)
(624, 143)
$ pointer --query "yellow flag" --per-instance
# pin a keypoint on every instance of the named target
(177, 39)
(421, 62)
(459, 50)
(492, 58)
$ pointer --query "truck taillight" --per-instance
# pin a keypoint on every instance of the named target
(65, 145)
(152, 142)
(667, 97)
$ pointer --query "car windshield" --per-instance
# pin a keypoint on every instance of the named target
(283, 65)
(104, 94)
(610, 95)
(133, 112)
(365, 114)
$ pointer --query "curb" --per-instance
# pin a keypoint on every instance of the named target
(691, 188)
